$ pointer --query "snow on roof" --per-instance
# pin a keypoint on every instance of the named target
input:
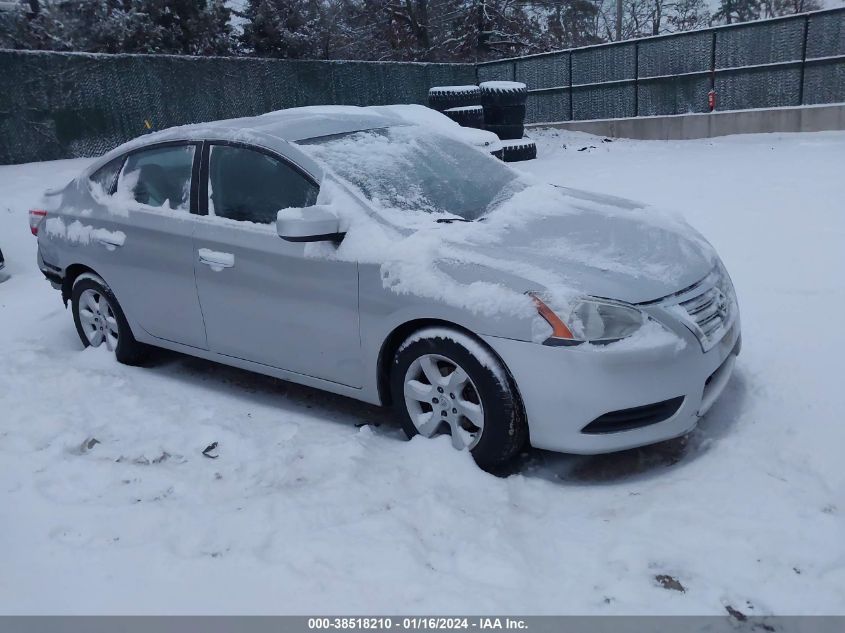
(295, 124)
(299, 124)
(278, 129)
(273, 130)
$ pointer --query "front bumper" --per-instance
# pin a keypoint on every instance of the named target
(566, 388)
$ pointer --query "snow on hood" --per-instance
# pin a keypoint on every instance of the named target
(600, 246)
(566, 242)
(574, 244)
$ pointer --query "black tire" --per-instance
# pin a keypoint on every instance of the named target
(507, 132)
(516, 151)
(507, 115)
(128, 351)
(446, 97)
(499, 153)
(467, 116)
(505, 430)
(503, 93)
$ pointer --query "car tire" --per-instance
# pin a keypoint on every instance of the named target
(507, 132)
(515, 151)
(497, 429)
(503, 93)
(91, 315)
(467, 116)
(507, 115)
(443, 98)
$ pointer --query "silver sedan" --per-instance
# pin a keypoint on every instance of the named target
(390, 258)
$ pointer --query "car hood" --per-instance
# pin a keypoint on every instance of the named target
(602, 246)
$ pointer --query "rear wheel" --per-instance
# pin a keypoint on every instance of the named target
(444, 381)
(100, 321)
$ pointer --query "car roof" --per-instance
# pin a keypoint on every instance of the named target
(293, 124)
(298, 124)
(274, 131)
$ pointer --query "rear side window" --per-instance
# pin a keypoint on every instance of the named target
(159, 177)
(251, 186)
(106, 176)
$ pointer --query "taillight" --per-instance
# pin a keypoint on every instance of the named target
(35, 218)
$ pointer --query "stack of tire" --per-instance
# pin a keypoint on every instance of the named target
(503, 103)
(462, 104)
(496, 106)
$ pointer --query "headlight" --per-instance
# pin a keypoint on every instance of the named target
(589, 320)
(726, 286)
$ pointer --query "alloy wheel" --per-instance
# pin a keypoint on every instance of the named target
(439, 393)
(98, 319)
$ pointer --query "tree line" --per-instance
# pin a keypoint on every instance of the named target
(401, 30)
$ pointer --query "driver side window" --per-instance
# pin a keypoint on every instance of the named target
(251, 186)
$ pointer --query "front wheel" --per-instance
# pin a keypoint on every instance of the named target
(100, 321)
(444, 381)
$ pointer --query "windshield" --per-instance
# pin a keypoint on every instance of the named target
(412, 169)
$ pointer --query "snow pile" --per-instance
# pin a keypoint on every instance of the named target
(433, 213)
(302, 512)
(418, 261)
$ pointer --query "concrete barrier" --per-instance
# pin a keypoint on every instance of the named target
(688, 126)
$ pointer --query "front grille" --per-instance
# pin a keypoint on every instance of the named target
(709, 312)
(634, 418)
(708, 308)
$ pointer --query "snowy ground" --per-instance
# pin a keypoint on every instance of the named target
(304, 512)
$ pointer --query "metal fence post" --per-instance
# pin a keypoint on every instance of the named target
(713, 66)
(569, 57)
(636, 79)
(803, 60)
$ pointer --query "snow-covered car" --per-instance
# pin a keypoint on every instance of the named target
(377, 253)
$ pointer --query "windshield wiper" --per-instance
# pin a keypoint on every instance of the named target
(450, 220)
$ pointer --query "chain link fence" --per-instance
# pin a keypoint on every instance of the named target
(789, 61)
(60, 105)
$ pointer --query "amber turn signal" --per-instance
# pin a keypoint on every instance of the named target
(559, 329)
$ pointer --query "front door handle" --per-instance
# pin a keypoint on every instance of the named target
(218, 261)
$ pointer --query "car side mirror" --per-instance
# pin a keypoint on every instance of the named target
(308, 224)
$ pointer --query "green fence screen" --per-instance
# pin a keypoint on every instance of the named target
(61, 105)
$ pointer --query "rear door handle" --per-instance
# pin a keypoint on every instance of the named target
(218, 261)
(110, 239)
